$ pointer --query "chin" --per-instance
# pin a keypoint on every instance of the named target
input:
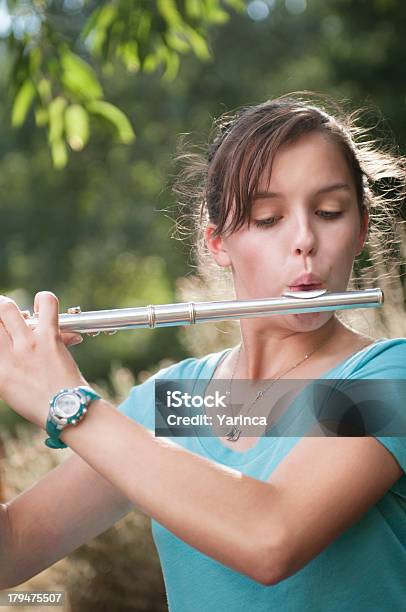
(310, 320)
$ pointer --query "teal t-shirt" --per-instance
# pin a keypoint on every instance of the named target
(364, 569)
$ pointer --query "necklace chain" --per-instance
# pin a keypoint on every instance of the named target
(234, 434)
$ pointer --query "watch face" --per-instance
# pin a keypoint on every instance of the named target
(67, 405)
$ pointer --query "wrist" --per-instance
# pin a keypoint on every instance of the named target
(69, 383)
(67, 408)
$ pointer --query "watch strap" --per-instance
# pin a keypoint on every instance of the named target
(54, 441)
(54, 431)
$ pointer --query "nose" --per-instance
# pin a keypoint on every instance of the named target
(304, 240)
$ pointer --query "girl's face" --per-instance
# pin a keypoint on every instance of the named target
(304, 219)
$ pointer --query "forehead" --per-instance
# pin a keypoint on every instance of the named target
(308, 162)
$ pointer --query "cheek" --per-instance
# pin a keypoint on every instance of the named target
(340, 252)
(248, 261)
(249, 250)
(346, 244)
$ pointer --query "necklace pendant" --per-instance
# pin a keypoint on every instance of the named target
(234, 434)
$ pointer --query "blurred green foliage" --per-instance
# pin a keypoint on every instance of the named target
(97, 231)
(52, 44)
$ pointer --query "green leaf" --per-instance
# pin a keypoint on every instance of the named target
(168, 10)
(193, 8)
(171, 61)
(214, 13)
(59, 153)
(218, 17)
(76, 126)
(97, 32)
(176, 41)
(129, 54)
(197, 43)
(237, 5)
(41, 117)
(172, 65)
(151, 62)
(143, 30)
(115, 116)
(56, 119)
(45, 91)
(100, 19)
(90, 23)
(79, 78)
(35, 57)
(22, 103)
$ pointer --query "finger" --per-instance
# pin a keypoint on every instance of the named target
(5, 338)
(71, 338)
(46, 304)
(12, 320)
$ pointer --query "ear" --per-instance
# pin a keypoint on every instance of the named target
(363, 232)
(216, 246)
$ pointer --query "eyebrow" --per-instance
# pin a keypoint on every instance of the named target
(326, 189)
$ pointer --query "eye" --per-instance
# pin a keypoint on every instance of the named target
(325, 214)
(265, 222)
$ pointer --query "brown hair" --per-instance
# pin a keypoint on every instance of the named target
(220, 184)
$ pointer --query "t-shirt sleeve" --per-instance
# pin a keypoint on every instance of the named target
(139, 405)
(397, 448)
(388, 369)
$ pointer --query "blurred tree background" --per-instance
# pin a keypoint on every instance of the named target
(88, 223)
(95, 96)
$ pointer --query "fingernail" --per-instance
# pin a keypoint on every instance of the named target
(76, 340)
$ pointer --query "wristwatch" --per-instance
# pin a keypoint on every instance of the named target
(67, 407)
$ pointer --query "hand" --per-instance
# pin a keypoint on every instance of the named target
(68, 338)
(35, 364)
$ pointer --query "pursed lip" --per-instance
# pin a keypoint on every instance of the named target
(307, 279)
(304, 288)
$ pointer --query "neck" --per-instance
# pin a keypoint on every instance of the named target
(266, 355)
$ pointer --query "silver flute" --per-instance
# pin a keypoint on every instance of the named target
(189, 313)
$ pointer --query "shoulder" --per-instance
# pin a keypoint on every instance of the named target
(191, 367)
(383, 364)
(385, 358)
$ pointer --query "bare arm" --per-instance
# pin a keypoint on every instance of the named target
(266, 530)
(5, 542)
(214, 508)
(71, 505)
(324, 486)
